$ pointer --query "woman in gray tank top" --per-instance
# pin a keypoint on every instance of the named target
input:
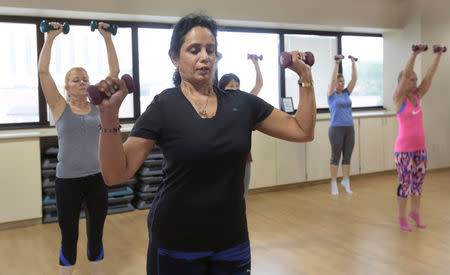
(78, 176)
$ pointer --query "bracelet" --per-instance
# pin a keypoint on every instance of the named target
(306, 84)
(109, 130)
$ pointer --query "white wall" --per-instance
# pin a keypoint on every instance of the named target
(397, 50)
(365, 13)
(435, 30)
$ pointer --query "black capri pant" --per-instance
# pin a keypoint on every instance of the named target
(70, 193)
(342, 140)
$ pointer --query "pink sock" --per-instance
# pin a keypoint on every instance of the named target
(404, 224)
(416, 218)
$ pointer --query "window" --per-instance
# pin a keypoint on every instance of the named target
(234, 47)
(83, 48)
(155, 67)
(324, 49)
(368, 91)
(19, 99)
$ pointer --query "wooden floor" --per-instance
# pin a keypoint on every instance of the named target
(300, 230)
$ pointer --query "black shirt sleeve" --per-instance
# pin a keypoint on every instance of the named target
(149, 124)
(260, 108)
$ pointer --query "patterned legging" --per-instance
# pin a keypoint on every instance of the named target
(411, 168)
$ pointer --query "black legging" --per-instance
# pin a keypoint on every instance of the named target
(70, 194)
(342, 140)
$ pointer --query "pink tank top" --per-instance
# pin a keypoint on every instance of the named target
(411, 136)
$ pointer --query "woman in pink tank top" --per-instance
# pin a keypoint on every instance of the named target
(410, 150)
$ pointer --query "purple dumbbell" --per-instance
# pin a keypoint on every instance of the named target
(437, 49)
(96, 97)
(417, 47)
(339, 57)
(285, 59)
(356, 59)
(260, 57)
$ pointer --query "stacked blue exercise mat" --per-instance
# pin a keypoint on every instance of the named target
(150, 178)
(120, 197)
(48, 173)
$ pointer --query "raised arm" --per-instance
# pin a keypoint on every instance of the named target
(301, 127)
(332, 86)
(54, 99)
(352, 83)
(119, 161)
(401, 90)
(426, 81)
(113, 61)
(259, 79)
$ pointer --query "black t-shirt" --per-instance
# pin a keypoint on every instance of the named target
(200, 204)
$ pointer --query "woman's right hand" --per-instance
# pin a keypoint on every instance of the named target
(116, 90)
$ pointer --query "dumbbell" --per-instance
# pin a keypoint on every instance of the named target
(356, 59)
(260, 57)
(112, 28)
(285, 59)
(45, 27)
(437, 49)
(417, 47)
(339, 57)
(96, 97)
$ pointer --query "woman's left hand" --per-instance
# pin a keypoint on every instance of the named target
(299, 66)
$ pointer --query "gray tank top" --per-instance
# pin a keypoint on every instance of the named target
(78, 137)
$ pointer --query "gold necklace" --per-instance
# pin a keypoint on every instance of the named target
(201, 111)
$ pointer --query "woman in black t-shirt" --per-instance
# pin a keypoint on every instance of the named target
(197, 222)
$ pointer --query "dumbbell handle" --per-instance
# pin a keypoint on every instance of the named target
(285, 59)
(437, 48)
(260, 57)
(45, 27)
(112, 28)
(350, 56)
(96, 97)
(417, 47)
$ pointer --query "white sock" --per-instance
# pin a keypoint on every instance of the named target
(346, 184)
(97, 268)
(66, 270)
(334, 188)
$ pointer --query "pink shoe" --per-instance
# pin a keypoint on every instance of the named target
(404, 225)
(416, 218)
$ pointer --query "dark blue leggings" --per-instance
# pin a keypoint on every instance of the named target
(232, 261)
(70, 193)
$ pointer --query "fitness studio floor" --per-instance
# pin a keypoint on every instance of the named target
(298, 230)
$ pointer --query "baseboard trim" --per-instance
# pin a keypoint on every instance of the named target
(19, 224)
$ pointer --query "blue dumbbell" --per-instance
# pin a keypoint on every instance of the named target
(112, 28)
(45, 27)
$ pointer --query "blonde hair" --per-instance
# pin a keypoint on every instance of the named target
(400, 76)
(69, 74)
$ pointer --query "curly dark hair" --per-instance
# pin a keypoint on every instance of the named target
(181, 28)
